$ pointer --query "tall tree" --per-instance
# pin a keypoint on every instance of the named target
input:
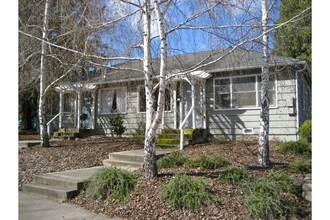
(263, 156)
(295, 39)
(42, 107)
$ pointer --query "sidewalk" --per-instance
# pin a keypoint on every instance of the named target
(35, 207)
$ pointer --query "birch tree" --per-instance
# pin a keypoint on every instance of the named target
(42, 108)
(263, 156)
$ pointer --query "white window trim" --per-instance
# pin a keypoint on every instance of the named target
(99, 101)
(231, 93)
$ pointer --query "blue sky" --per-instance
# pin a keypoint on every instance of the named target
(128, 34)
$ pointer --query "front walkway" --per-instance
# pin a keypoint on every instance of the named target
(36, 207)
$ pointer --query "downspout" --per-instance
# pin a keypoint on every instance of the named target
(297, 98)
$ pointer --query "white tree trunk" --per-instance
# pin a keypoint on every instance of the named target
(153, 119)
(42, 107)
(263, 156)
(150, 166)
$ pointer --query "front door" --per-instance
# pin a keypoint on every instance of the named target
(86, 112)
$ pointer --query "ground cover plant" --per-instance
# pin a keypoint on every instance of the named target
(185, 192)
(145, 201)
(213, 161)
(110, 183)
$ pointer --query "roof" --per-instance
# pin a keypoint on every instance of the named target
(206, 61)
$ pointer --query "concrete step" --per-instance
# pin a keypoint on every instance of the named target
(58, 180)
(55, 192)
(129, 156)
(126, 165)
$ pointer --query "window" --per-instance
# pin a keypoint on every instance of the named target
(241, 92)
(142, 99)
(272, 90)
(112, 100)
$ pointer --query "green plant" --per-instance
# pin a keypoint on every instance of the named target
(207, 162)
(117, 124)
(296, 147)
(300, 166)
(173, 159)
(110, 183)
(183, 192)
(264, 200)
(284, 181)
(140, 131)
(305, 129)
(234, 175)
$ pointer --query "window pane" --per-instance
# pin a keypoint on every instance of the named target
(222, 101)
(272, 98)
(222, 85)
(222, 93)
(121, 100)
(106, 101)
(244, 92)
(242, 84)
(244, 100)
(142, 99)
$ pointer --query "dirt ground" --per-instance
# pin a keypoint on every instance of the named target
(145, 202)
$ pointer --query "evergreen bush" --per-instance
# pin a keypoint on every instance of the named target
(305, 129)
(183, 192)
(207, 162)
(110, 183)
(263, 200)
(117, 124)
(173, 159)
(296, 147)
(234, 175)
(300, 166)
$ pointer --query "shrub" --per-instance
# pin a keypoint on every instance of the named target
(110, 183)
(207, 162)
(305, 129)
(117, 124)
(140, 131)
(296, 147)
(300, 166)
(183, 192)
(173, 159)
(234, 175)
(264, 200)
(284, 181)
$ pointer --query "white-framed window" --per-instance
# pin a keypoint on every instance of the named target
(112, 100)
(142, 99)
(241, 92)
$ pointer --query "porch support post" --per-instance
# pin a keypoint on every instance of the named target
(204, 103)
(181, 117)
(193, 103)
(93, 109)
(174, 106)
(60, 118)
(78, 108)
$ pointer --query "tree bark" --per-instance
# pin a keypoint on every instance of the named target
(42, 105)
(150, 166)
(263, 156)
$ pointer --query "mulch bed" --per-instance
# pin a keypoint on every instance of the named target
(145, 202)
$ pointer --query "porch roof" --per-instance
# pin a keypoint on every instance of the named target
(67, 86)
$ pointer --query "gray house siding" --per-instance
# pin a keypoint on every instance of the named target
(230, 124)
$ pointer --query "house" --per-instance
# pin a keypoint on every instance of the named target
(222, 97)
